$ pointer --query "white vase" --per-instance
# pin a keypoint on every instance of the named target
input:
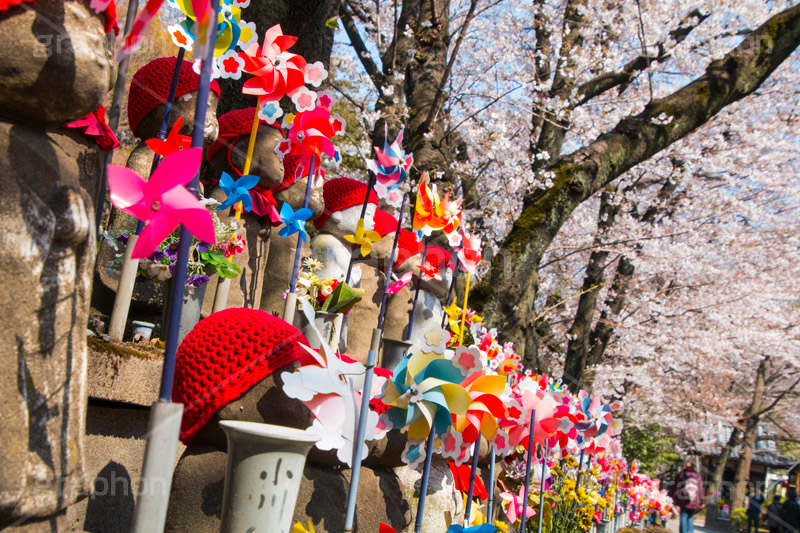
(265, 466)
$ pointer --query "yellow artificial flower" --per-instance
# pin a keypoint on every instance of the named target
(501, 526)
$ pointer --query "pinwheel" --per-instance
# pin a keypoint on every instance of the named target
(332, 389)
(363, 238)
(479, 528)
(163, 202)
(402, 281)
(308, 138)
(531, 396)
(391, 165)
(140, 25)
(238, 191)
(294, 221)
(431, 271)
(94, 125)
(448, 217)
(423, 394)
(298, 528)
(485, 407)
(469, 255)
(229, 28)
(174, 141)
(277, 72)
(424, 209)
(517, 506)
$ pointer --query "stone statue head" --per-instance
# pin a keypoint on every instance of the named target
(55, 59)
(148, 96)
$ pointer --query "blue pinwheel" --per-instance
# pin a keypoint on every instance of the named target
(391, 166)
(237, 191)
(294, 220)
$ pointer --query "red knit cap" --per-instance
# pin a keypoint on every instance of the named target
(234, 124)
(384, 223)
(341, 193)
(438, 257)
(224, 356)
(150, 87)
(407, 246)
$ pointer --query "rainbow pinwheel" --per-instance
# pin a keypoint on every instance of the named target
(295, 221)
(174, 141)
(363, 238)
(485, 407)
(309, 138)
(237, 191)
(470, 253)
(401, 282)
(332, 389)
(391, 165)
(423, 394)
(277, 72)
(163, 202)
(516, 507)
(229, 28)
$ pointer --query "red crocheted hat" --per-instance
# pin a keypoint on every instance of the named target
(438, 257)
(234, 124)
(150, 87)
(224, 356)
(407, 246)
(384, 223)
(341, 193)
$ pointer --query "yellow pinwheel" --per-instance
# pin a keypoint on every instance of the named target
(363, 238)
(298, 528)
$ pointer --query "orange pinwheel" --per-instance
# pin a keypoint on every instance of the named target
(484, 409)
(432, 213)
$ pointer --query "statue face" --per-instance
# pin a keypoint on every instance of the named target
(344, 222)
(62, 68)
(184, 106)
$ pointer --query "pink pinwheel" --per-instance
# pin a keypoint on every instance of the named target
(162, 202)
(404, 280)
(140, 25)
(531, 396)
(470, 252)
(516, 505)
(310, 137)
(277, 72)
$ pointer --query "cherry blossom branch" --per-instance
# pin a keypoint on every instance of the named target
(360, 48)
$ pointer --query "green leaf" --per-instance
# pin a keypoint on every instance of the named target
(342, 299)
(332, 23)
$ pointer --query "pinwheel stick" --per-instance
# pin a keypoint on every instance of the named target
(464, 311)
(370, 185)
(165, 417)
(249, 158)
(541, 487)
(122, 300)
(490, 505)
(382, 313)
(423, 489)
(416, 291)
(113, 115)
(456, 270)
(472, 474)
(361, 429)
(531, 446)
(300, 233)
(580, 467)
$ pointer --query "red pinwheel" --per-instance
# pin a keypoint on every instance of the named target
(277, 72)
(470, 252)
(431, 271)
(174, 141)
(310, 137)
(162, 202)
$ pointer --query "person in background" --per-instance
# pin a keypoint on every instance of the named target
(687, 495)
(754, 511)
(791, 512)
(774, 514)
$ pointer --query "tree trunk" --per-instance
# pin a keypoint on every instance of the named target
(751, 418)
(722, 461)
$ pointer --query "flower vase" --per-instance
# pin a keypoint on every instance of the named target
(265, 467)
(192, 307)
(394, 350)
(328, 325)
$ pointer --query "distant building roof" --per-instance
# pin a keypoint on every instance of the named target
(761, 457)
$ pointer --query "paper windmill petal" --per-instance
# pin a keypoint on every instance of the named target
(294, 221)
(470, 253)
(391, 165)
(174, 141)
(163, 202)
(140, 25)
(404, 280)
(363, 238)
(237, 191)
(277, 72)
